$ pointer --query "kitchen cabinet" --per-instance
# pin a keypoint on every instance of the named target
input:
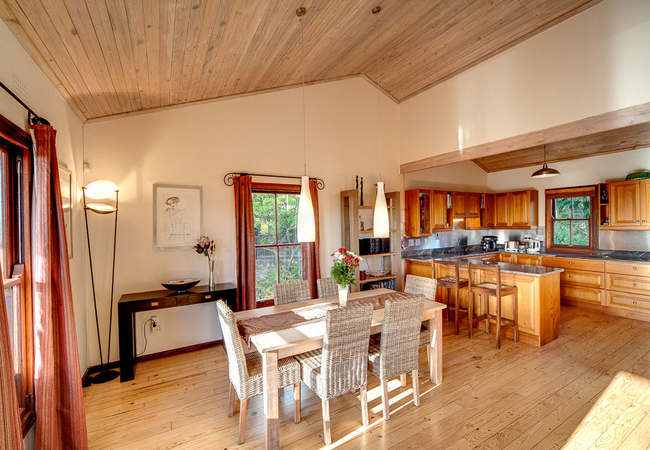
(645, 202)
(418, 213)
(488, 211)
(522, 208)
(465, 205)
(439, 212)
(508, 258)
(501, 214)
(458, 205)
(625, 203)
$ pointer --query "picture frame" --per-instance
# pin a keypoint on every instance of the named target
(177, 216)
(65, 181)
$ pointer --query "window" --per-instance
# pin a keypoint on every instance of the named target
(571, 219)
(278, 254)
(12, 261)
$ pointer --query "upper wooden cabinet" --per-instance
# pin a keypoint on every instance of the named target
(501, 210)
(418, 212)
(439, 211)
(465, 204)
(489, 211)
(522, 211)
(458, 204)
(625, 203)
(645, 202)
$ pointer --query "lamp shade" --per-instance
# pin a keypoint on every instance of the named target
(101, 208)
(380, 226)
(306, 221)
(545, 172)
(100, 189)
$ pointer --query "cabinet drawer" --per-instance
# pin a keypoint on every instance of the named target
(625, 300)
(628, 283)
(529, 260)
(581, 293)
(573, 263)
(642, 270)
(582, 278)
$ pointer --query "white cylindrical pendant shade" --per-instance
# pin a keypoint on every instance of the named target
(381, 224)
(306, 221)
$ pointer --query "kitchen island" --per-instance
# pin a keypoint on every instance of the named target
(538, 293)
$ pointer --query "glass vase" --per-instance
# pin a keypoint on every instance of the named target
(211, 279)
(343, 295)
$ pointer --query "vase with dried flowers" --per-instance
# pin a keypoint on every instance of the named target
(342, 273)
(205, 246)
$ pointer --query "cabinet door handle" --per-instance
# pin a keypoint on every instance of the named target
(634, 303)
(634, 284)
(637, 221)
(570, 262)
(570, 292)
(633, 268)
(570, 276)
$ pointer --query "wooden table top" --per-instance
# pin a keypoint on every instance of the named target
(304, 338)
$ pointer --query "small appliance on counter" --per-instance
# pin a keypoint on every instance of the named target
(532, 245)
(373, 246)
(512, 246)
(489, 243)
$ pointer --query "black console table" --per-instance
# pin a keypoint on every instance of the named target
(129, 304)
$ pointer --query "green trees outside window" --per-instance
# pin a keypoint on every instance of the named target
(570, 218)
(278, 255)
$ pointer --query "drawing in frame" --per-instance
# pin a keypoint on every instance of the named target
(65, 182)
(177, 216)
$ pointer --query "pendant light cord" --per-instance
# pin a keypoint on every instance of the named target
(376, 12)
(304, 115)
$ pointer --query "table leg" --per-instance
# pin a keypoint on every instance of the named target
(271, 409)
(435, 353)
(125, 318)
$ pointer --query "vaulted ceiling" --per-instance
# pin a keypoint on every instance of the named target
(111, 57)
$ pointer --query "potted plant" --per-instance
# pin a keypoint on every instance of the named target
(205, 246)
(342, 272)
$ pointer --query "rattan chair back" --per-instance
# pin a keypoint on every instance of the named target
(326, 288)
(424, 286)
(295, 291)
(237, 370)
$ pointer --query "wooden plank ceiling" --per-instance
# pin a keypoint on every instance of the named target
(111, 57)
(613, 141)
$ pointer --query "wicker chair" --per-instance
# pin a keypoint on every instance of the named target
(342, 365)
(326, 288)
(245, 371)
(427, 288)
(395, 353)
(296, 291)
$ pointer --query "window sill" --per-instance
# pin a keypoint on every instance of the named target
(28, 420)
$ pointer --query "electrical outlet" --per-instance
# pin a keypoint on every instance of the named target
(156, 325)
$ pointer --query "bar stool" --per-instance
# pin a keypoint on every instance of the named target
(485, 291)
(455, 283)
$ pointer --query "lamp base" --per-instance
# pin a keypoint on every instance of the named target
(101, 377)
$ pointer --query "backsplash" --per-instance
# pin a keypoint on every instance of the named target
(460, 237)
(624, 240)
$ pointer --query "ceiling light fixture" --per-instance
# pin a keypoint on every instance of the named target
(306, 221)
(381, 225)
(545, 171)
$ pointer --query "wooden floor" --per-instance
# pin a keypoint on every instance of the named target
(589, 388)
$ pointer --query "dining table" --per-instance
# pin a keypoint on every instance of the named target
(282, 331)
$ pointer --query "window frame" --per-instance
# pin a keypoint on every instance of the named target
(18, 144)
(579, 191)
(275, 188)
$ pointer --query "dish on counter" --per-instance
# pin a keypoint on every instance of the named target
(181, 285)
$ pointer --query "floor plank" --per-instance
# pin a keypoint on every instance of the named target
(590, 387)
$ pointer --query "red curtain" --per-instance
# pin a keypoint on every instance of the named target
(10, 433)
(311, 250)
(245, 242)
(60, 411)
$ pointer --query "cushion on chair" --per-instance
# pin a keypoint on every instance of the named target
(452, 280)
(288, 374)
(492, 286)
(310, 364)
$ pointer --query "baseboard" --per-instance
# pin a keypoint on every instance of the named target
(176, 351)
(608, 310)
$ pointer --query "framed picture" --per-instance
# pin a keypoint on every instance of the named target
(177, 216)
(65, 178)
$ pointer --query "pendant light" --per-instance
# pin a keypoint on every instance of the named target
(306, 221)
(381, 225)
(545, 171)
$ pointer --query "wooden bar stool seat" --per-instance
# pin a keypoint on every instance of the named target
(485, 290)
(456, 283)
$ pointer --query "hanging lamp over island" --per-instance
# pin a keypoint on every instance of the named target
(381, 225)
(545, 171)
(306, 220)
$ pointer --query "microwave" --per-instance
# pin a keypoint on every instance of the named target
(372, 246)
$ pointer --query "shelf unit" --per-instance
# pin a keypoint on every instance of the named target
(351, 233)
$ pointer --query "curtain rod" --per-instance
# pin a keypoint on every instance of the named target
(229, 178)
(34, 118)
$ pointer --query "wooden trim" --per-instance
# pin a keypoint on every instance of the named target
(177, 351)
(273, 188)
(381, 89)
(634, 115)
(265, 303)
(570, 192)
(14, 134)
(592, 192)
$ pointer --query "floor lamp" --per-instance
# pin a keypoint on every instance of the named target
(101, 190)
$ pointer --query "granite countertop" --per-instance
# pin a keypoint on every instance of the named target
(602, 255)
(518, 269)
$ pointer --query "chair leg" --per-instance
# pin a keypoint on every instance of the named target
(243, 408)
(231, 400)
(363, 394)
(416, 388)
(456, 313)
(384, 399)
(447, 290)
(515, 315)
(498, 323)
(402, 379)
(487, 312)
(470, 314)
(296, 402)
(327, 434)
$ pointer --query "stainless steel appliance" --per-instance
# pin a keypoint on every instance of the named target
(534, 246)
(512, 246)
(489, 243)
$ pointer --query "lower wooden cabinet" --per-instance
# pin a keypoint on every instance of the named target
(594, 280)
(582, 294)
(627, 283)
(633, 302)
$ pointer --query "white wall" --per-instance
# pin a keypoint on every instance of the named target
(197, 145)
(592, 63)
(462, 176)
(44, 99)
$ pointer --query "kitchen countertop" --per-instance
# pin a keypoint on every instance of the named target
(603, 255)
(517, 269)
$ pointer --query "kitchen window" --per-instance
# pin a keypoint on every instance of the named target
(12, 261)
(278, 254)
(571, 219)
